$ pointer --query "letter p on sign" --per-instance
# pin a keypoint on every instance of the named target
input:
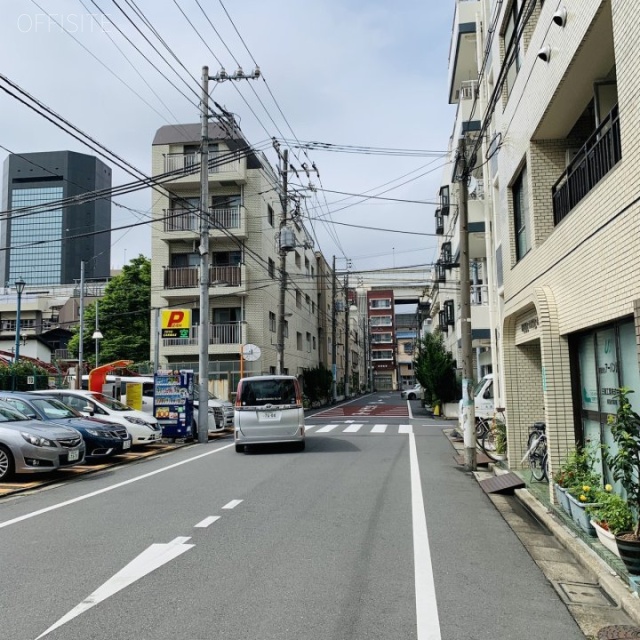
(176, 318)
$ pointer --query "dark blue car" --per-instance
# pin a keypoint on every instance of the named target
(102, 439)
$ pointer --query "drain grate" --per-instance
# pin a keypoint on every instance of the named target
(584, 593)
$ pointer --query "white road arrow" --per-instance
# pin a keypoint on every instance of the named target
(153, 558)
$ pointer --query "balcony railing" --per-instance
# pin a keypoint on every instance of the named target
(219, 162)
(189, 219)
(479, 294)
(189, 277)
(227, 333)
(598, 156)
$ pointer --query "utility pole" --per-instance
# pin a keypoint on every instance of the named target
(284, 172)
(347, 332)
(334, 346)
(468, 409)
(203, 356)
(81, 344)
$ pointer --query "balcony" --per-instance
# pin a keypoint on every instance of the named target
(219, 334)
(463, 62)
(439, 223)
(224, 167)
(467, 106)
(189, 277)
(596, 158)
(178, 221)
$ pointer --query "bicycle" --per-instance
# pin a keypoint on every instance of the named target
(536, 454)
(491, 435)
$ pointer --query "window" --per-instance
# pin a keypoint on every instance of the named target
(298, 341)
(185, 260)
(380, 321)
(382, 354)
(313, 307)
(226, 202)
(314, 343)
(286, 328)
(511, 44)
(307, 268)
(272, 321)
(227, 315)
(308, 342)
(226, 258)
(520, 194)
(270, 214)
(298, 259)
(298, 299)
(272, 269)
(380, 303)
(307, 300)
(377, 338)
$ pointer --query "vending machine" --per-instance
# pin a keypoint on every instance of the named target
(173, 402)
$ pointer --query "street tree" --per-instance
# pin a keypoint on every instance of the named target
(435, 370)
(124, 317)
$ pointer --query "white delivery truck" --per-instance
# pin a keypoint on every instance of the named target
(482, 400)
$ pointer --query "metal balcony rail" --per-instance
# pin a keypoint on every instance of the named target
(178, 219)
(479, 294)
(189, 277)
(227, 333)
(219, 162)
(468, 89)
(600, 153)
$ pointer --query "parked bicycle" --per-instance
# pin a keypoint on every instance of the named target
(536, 454)
(491, 435)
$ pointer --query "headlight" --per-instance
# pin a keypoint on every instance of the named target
(38, 441)
(95, 432)
(141, 422)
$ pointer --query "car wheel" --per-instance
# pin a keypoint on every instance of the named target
(239, 448)
(6, 463)
(301, 446)
(412, 396)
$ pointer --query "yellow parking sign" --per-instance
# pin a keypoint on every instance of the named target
(176, 323)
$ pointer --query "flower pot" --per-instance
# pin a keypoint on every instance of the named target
(629, 551)
(606, 538)
(562, 496)
(579, 514)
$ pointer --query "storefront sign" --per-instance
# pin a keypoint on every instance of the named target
(527, 327)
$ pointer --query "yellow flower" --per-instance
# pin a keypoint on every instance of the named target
(583, 498)
(586, 488)
(608, 488)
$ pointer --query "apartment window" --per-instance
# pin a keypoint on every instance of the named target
(512, 44)
(380, 321)
(377, 338)
(307, 267)
(286, 328)
(308, 342)
(298, 260)
(298, 341)
(298, 299)
(314, 343)
(185, 260)
(520, 194)
(270, 214)
(380, 303)
(313, 273)
(272, 371)
(382, 354)
(272, 269)
(226, 258)
(272, 321)
(313, 307)
(307, 300)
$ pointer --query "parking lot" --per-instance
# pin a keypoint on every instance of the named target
(22, 483)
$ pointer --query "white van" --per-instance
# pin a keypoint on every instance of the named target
(483, 401)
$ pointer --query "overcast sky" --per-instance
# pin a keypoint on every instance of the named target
(368, 73)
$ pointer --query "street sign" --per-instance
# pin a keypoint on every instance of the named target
(176, 323)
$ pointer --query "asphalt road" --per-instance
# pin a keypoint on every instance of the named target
(372, 532)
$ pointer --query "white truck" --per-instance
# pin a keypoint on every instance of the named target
(482, 400)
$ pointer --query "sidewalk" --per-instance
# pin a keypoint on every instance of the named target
(599, 596)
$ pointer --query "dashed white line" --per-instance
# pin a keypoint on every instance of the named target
(203, 524)
(327, 428)
(379, 428)
(354, 428)
(232, 505)
(405, 428)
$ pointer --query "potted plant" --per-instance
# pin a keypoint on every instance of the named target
(625, 467)
(610, 517)
(584, 496)
(575, 472)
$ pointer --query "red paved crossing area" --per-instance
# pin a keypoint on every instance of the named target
(377, 409)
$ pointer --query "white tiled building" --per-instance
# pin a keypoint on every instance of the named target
(558, 163)
(245, 212)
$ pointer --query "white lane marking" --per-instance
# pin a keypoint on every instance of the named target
(379, 428)
(405, 428)
(349, 421)
(427, 621)
(353, 428)
(149, 560)
(203, 524)
(66, 503)
(327, 428)
(232, 505)
(410, 412)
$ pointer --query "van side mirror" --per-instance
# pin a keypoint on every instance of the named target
(88, 409)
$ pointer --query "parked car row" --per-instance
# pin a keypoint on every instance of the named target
(42, 431)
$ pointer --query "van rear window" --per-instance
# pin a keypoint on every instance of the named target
(257, 393)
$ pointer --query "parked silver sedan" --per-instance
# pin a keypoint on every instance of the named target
(32, 446)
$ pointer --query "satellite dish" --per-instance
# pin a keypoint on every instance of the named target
(472, 185)
(251, 352)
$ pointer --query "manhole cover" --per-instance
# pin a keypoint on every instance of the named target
(583, 593)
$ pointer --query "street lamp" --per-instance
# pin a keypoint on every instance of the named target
(20, 285)
(97, 334)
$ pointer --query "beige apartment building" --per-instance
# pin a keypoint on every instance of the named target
(244, 212)
(551, 93)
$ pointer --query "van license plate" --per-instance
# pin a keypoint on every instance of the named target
(126, 444)
(269, 415)
(73, 455)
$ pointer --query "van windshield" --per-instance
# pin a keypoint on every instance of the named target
(258, 393)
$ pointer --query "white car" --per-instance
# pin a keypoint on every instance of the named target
(144, 428)
(415, 393)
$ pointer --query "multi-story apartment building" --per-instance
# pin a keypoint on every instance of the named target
(380, 309)
(555, 152)
(407, 336)
(244, 220)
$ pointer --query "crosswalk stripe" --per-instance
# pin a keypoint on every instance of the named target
(379, 428)
(405, 428)
(327, 428)
(354, 428)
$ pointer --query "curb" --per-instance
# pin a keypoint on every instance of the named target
(609, 580)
